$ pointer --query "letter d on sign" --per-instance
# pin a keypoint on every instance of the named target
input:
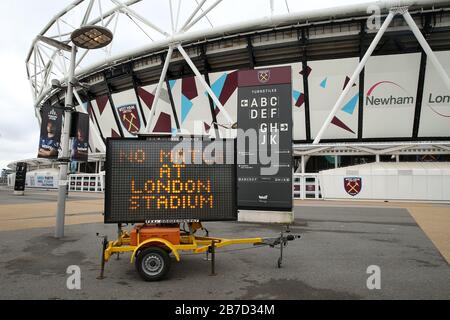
(74, 280)
(374, 281)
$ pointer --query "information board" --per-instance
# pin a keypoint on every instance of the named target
(265, 106)
(163, 180)
(21, 175)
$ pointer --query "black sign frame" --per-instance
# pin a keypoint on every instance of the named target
(21, 177)
(273, 78)
(233, 216)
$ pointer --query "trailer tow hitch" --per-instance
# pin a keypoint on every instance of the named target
(282, 241)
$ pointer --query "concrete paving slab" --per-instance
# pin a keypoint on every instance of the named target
(330, 262)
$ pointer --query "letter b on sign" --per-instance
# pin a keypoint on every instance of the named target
(374, 280)
(74, 280)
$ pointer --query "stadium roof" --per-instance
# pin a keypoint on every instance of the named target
(269, 40)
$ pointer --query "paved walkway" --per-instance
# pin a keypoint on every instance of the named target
(433, 219)
(37, 209)
(330, 262)
(340, 240)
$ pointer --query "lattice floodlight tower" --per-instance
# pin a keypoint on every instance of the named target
(46, 62)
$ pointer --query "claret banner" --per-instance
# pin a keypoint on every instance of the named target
(80, 137)
(163, 180)
(51, 128)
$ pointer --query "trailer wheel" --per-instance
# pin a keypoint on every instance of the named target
(153, 264)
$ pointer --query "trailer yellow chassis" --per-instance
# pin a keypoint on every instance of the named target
(188, 243)
(193, 244)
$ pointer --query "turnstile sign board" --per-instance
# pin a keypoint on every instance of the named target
(265, 105)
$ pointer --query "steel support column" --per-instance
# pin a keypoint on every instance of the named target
(205, 85)
(158, 90)
(426, 47)
(355, 76)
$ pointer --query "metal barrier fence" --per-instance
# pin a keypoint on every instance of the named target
(306, 186)
(86, 183)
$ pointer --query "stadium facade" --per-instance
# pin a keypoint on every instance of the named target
(398, 110)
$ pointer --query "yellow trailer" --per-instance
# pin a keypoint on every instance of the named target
(151, 245)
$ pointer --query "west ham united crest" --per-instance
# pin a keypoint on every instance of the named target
(353, 186)
(129, 116)
(264, 76)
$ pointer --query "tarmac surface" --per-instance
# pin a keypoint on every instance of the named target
(339, 242)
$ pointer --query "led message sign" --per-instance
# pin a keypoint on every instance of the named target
(162, 180)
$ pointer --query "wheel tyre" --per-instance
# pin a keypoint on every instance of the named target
(153, 264)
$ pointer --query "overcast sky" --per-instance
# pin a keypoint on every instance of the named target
(21, 21)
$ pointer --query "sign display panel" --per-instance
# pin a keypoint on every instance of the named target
(435, 114)
(21, 174)
(128, 112)
(327, 80)
(265, 108)
(390, 92)
(163, 180)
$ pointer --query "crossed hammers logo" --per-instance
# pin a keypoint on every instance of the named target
(353, 185)
(130, 121)
(264, 76)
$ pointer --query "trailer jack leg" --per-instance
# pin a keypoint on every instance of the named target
(282, 244)
(212, 250)
(119, 236)
(282, 241)
(103, 261)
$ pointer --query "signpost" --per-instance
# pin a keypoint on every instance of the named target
(265, 105)
(164, 180)
(20, 183)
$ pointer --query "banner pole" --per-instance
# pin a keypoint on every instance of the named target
(65, 150)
